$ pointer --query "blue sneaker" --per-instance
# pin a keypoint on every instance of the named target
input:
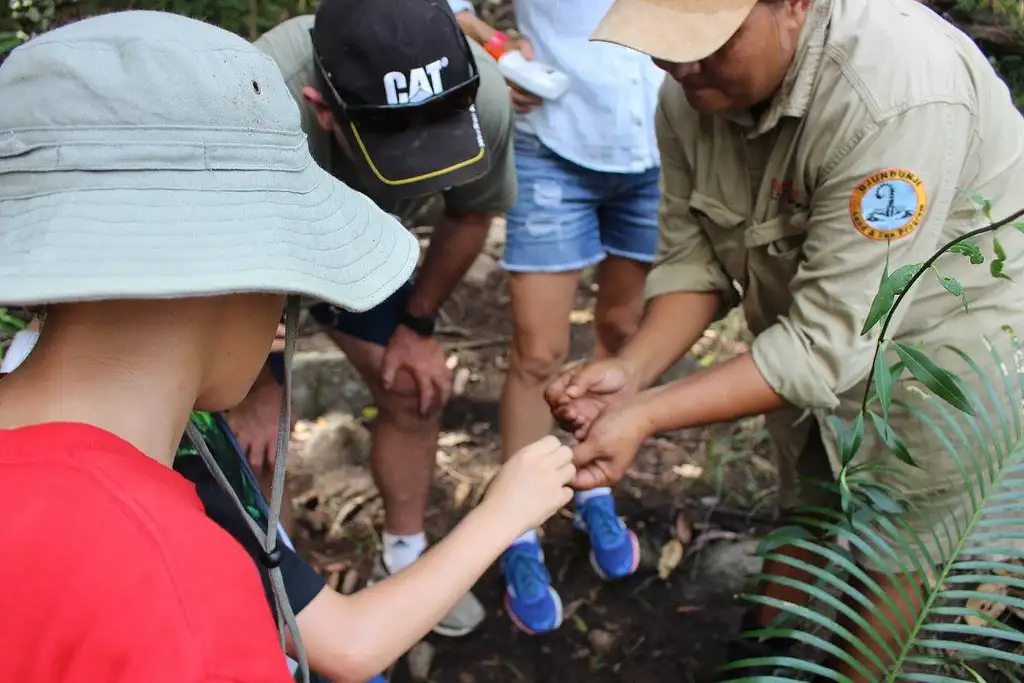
(531, 602)
(614, 549)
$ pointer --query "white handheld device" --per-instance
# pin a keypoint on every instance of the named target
(537, 78)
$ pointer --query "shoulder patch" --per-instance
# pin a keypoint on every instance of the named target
(888, 204)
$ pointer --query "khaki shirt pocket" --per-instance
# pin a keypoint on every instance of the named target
(720, 224)
(775, 251)
(776, 246)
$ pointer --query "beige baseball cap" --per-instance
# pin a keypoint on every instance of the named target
(673, 30)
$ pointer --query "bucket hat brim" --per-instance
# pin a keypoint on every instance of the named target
(170, 234)
(673, 30)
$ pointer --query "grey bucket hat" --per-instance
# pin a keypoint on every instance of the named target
(148, 155)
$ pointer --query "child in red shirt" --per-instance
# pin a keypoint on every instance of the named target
(158, 201)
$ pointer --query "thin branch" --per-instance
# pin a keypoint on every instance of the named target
(920, 271)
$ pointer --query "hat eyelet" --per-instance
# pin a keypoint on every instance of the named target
(256, 87)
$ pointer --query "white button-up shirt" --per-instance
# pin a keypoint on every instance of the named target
(605, 121)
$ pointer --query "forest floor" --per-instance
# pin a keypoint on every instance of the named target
(712, 490)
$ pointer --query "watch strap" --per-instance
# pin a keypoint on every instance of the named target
(422, 325)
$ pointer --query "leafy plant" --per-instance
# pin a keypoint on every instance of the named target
(10, 323)
(955, 634)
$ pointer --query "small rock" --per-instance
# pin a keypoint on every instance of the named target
(466, 677)
(496, 237)
(729, 565)
(420, 658)
(479, 274)
(600, 641)
(325, 381)
(338, 439)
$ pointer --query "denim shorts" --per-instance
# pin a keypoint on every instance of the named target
(375, 325)
(569, 217)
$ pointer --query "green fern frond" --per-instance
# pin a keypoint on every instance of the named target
(969, 558)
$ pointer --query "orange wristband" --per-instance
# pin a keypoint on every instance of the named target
(495, 47)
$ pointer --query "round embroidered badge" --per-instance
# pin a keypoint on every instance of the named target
(889, 204)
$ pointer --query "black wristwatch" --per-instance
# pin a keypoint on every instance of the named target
(422, 325)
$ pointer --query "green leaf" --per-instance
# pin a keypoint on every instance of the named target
(881, 500)
(985, 204)
(939, 381)
(849, 439)
(1019, 225)
(10, 40)
(891, 439)
(782, 537)
(11, 322)
(891, 287)
(996, 267)
(896, 370)
(953, 286)
(846, 497)
(883, 380)
(969, 248)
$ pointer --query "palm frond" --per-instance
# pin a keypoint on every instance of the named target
(971, 566)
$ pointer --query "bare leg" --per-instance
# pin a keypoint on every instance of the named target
(540, 304)
(620, 303)
(402, 459)
(404, 443)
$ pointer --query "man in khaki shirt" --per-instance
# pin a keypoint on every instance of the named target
(802, 142)
(397, 103)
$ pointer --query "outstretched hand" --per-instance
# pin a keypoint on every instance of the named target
(611, 445)
(580, 394)
(533, 484)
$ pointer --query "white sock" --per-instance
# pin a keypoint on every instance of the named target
(402, 550)
(582, 497)
(529, 537)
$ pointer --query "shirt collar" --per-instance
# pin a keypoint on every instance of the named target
(794, 95)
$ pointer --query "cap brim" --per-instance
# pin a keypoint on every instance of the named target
(675, 31)
(172, 234)
(422, 160)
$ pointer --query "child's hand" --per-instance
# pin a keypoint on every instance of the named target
(533, 484)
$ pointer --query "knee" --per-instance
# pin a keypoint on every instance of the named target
(616, 325)
(535, 362)
(399, 407)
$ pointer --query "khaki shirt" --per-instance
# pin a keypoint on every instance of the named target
(778, 213)
(495, 192)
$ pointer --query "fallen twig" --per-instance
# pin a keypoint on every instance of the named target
(479, 343)
(353, 504)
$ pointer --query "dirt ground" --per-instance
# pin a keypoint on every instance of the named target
(711, 489)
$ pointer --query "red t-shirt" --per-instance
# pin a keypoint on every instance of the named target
(110, 571)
